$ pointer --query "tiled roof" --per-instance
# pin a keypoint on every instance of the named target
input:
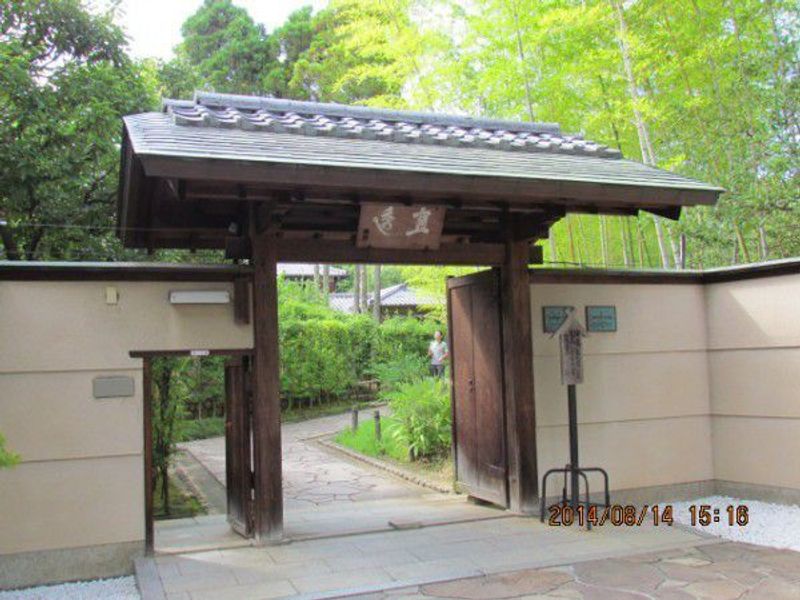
(357, 122)
(308, 136)
(399, 295)
(307, 270)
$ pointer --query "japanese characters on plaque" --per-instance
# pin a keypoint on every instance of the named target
(570, 339)
(601, 318)
(400, 226)
(554, 316)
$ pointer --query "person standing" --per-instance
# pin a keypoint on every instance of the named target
(438, 353)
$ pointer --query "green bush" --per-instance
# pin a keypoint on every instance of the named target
(403, 368)
(363, 440)
(404, 335)
(199, 429)
(421, 410)
(7, 458)
(324, 354)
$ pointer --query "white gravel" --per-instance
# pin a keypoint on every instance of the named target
(121, 588)
(775, 525)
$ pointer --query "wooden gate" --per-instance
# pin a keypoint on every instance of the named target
(238, 444)
(476, 348)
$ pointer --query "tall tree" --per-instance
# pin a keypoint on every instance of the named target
(64, 84)
(230, 51)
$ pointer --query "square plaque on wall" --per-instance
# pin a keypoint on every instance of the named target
(601, 318)
(553, 317)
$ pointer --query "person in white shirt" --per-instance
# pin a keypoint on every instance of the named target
(438, 353)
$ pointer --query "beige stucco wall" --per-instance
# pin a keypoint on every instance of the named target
(80, 482)
(643, 409)
(754, 369)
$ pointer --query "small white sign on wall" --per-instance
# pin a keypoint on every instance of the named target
(200, 297)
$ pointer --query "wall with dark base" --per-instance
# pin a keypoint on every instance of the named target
(74, 507)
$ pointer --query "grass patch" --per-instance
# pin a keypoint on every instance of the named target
(181, 503)
(363, 440)
(438, 469)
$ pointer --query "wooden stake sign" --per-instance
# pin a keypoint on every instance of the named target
(414, 227)
(570, 337)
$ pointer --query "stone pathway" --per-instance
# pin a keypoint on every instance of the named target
(314, 476)
(724, 571)
(576, 563)
(326, 493)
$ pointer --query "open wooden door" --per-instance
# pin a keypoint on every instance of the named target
(238, 445)
(476, 348)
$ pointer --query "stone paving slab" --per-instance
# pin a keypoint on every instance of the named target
(721, 571)
(314, 476)
(382, 561)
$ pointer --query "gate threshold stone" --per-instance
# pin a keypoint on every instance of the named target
(376, 562)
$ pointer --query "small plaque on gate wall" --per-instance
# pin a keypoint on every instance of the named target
(553, 317)
(414, 227)
(601, 318)
(112, 387)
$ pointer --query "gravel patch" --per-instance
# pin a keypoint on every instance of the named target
(121, 588)
(774, 525)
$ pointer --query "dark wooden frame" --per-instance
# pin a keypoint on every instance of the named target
(147, 357)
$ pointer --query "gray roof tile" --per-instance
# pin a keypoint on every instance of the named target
(353, 122)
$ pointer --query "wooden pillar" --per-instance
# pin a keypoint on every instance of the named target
(268, 500)
(147, 413)
(523, 487)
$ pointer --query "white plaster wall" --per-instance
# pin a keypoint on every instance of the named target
(80, 482)
(754, 369)
(644, 408)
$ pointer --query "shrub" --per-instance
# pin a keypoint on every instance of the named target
(363, 440)
(421, 410)
(403, 368)
(404, 335)
(200, 429)
(315, 359)
(7, 458)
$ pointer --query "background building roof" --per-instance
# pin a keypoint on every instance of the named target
(398, 296)
(307, 270)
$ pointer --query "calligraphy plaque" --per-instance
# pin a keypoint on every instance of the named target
(553, 317)
(571, 342)
(601, 318)
(400, 226)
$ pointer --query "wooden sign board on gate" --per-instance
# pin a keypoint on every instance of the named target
(412, 227)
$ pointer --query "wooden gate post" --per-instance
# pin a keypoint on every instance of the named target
(267, 463)
(523, 487)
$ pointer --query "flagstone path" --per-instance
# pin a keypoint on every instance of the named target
(312, 475)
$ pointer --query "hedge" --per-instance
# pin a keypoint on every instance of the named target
(324, 358)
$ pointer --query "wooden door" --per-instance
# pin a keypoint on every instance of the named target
(238, 441)
(479, 431)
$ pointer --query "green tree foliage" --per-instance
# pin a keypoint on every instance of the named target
(228, 49)
(702, 87)
(404, 336)
(64, 83)
(287, 44)
(168, 395)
